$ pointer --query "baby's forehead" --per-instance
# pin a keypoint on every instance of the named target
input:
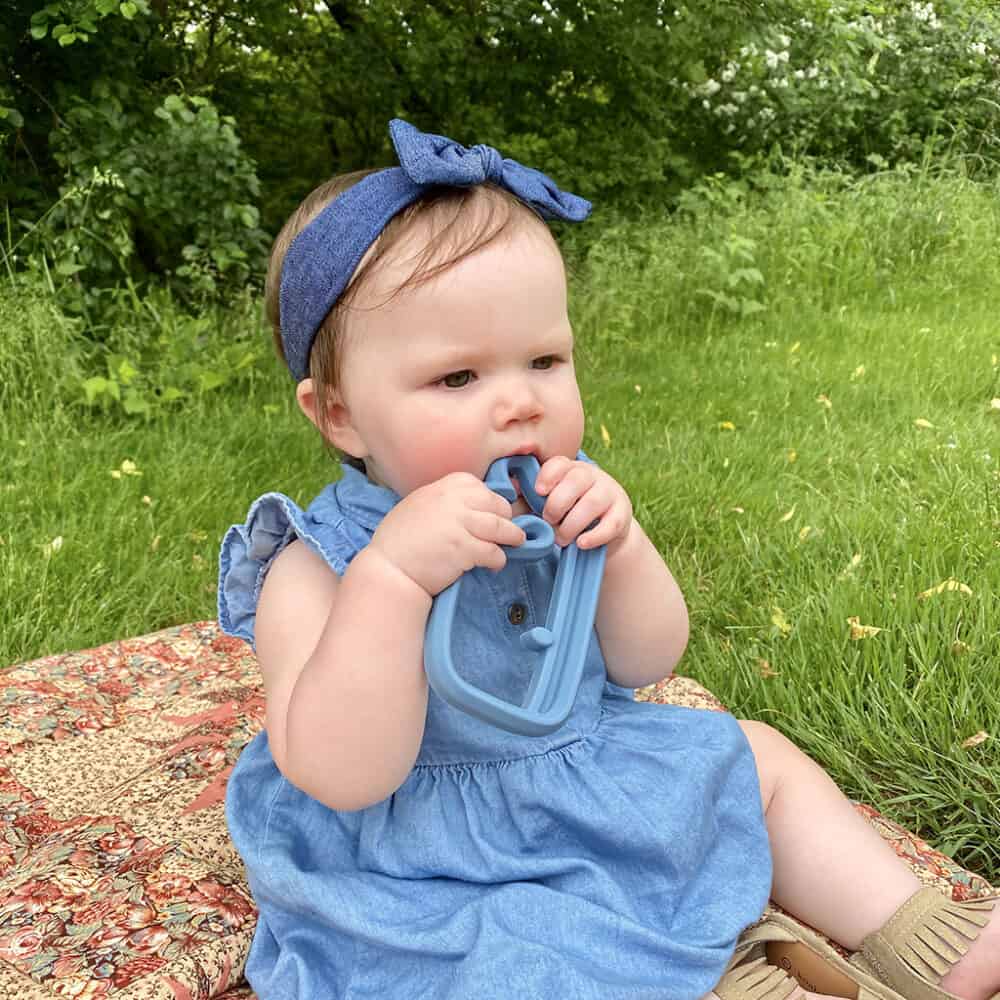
(514, 285)
(430, 243)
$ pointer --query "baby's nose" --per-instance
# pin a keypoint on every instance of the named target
(517, 402)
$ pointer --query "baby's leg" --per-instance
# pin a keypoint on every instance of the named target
(833, 871)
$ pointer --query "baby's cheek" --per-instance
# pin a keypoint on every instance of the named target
(433, 457)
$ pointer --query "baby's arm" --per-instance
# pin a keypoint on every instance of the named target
(642, 620)
(342, 661)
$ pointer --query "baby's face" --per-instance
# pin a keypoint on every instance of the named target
(464, 369)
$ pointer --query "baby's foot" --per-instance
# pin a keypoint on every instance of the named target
(977, 974)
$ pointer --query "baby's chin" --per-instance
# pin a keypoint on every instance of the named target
(520, 506)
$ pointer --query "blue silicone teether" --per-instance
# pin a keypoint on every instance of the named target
(564, 639)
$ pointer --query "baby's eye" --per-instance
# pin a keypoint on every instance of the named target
(456, 380)
(545, 362)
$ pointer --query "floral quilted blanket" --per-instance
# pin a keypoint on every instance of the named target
(117, 877)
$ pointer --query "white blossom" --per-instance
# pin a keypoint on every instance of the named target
(710, 87)
(925, 12)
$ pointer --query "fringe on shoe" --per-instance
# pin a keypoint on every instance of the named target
(923, 940)
(798, 958)
(756, 980)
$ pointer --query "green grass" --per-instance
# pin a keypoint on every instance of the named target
(825, 500)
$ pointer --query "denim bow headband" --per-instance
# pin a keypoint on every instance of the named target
(322, 258)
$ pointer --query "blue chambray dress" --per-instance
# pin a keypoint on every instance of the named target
(618, 857)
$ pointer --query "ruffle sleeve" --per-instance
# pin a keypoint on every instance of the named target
(248, 550)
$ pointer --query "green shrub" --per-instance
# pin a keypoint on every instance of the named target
(173, 194)
(853, 87)
(735, 249)
(151, 356)
(172, 356)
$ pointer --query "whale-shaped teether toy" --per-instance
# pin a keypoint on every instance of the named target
(561, 644)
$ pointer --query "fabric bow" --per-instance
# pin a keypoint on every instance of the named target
(435, 159)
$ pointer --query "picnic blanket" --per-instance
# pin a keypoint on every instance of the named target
(117, 876)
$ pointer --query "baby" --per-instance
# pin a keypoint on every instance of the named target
(397, 847)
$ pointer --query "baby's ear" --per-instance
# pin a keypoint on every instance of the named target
(331, 416)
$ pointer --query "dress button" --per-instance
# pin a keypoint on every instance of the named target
(516, 614)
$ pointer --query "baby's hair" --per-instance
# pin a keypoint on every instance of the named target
(460, 222)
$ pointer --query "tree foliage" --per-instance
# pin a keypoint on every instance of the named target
(166, 136)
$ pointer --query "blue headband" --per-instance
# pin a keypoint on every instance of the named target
(322, 258)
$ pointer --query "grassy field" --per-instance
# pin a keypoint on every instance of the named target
(834, 455)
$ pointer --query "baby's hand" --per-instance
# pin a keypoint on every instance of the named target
(441, 530)
(578, 494)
